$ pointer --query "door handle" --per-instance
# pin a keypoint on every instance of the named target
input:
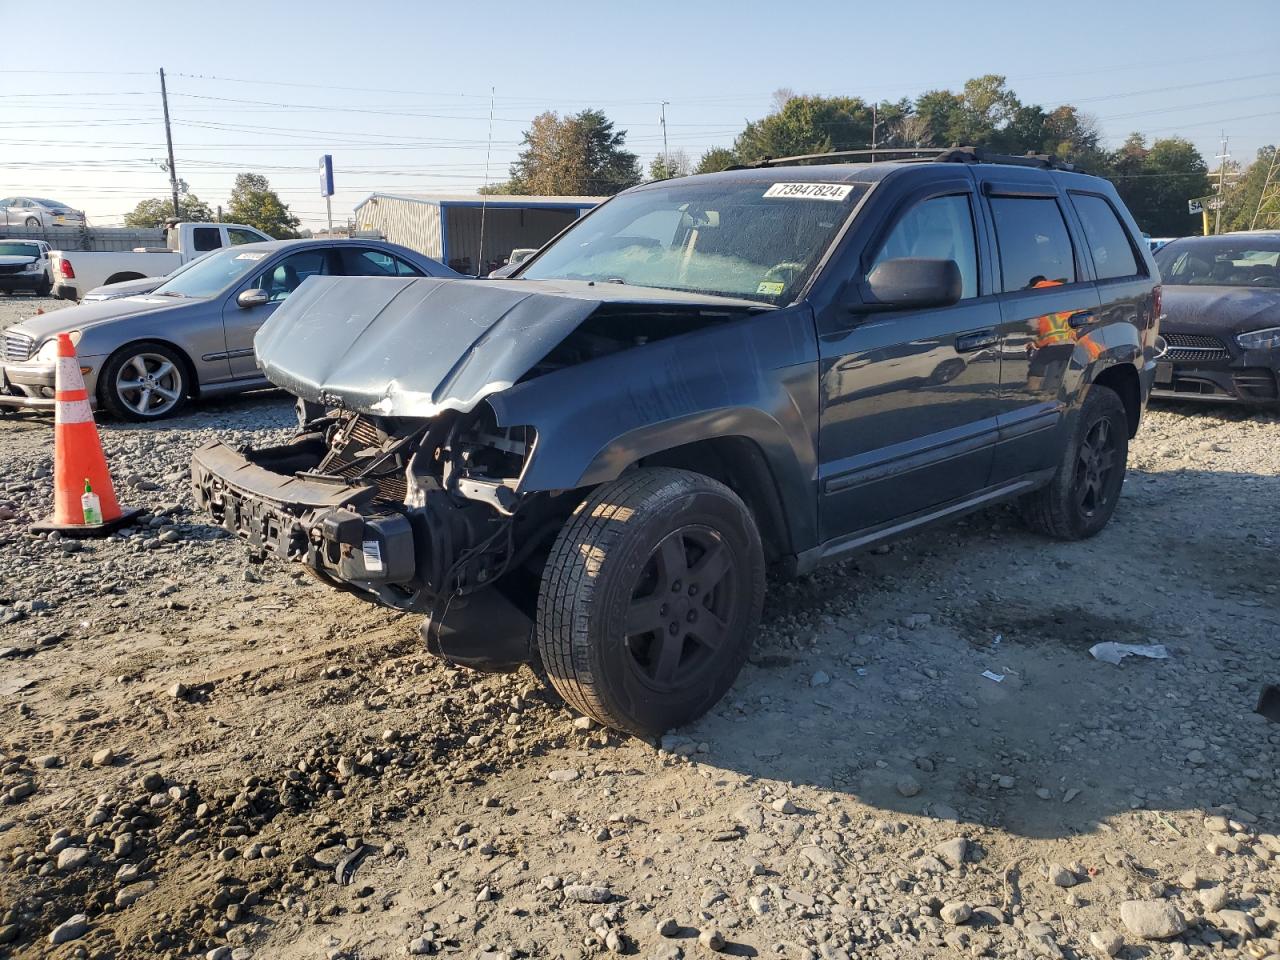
(1081, 318)
(978, 340)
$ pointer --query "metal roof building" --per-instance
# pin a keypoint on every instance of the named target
(448, 227)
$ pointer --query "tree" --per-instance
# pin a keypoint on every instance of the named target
(1244, 206)
(575, 155)
(715, 160)
(806, 125)
(1156, 182)
(154, 212)
(254, 203)
(675, 164)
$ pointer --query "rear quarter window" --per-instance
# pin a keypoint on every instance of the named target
(1108, 240)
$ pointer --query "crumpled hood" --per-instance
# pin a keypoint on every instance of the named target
(125, 288)
(16, 260)
(87, 315)
(414, 347)
(1217, 310)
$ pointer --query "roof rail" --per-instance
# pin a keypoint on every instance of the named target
(953, 154)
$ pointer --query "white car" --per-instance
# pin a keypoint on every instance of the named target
(35, 212)
(25, 265)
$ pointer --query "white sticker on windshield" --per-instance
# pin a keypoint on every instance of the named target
(250, 255)
(372, 556)
(809, 191)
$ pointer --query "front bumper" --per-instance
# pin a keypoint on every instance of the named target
(1243, 376)
(357, 542)
(24, 281)
(32, 385)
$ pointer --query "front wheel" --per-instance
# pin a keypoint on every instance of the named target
(145, 381)
(650, 600)
(1084, 491)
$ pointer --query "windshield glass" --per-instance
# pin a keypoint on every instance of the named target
(212, 273)
(19, 250)
(758, 240)
(1221, 261)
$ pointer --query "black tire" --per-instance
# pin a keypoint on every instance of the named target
(650, 528)
(1084, 491)
(126, 405)
(45, 288)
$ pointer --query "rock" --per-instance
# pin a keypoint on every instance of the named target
(908, 786)
(179, 691)
(218, 953)
(820, 679)
(588, 893)
(583, 724)
(1044, 793)
(783, 805)
(1189, 880)
(563, 776)
(916, 621)
(9, 932)
(104, 758)
(1217, 824)
(1106, 942)
(712, 939)
(1152, 919)
(668, 927)
(1237, 922)
(1213, 899)
(421, 947)
(956, 912)
(667, 951)
(1005, 782)
(72, 858)
(613, 942)
(1060, 876)
(819, 857)
(70, 929)
(126, 896)
(952, 852)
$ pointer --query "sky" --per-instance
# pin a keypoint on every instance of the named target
(400, 92)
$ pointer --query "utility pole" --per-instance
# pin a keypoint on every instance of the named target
(168, 136)
(874, 117)
(1222, 184)
(666, 159)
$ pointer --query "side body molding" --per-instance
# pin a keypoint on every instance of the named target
(753, 377)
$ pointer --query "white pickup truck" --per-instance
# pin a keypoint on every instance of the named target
(77, 272)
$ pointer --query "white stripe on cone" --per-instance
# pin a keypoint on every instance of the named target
(68, 376)
(73, 411)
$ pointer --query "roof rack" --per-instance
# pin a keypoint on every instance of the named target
(953, 154)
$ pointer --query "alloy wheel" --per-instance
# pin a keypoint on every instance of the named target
(149, 384)
(681, 608)
(1095, 464)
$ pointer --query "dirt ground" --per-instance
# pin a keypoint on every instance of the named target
(202, 756)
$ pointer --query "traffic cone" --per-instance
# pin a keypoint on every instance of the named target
(78, 464)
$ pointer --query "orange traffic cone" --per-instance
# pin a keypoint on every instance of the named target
(79, 469)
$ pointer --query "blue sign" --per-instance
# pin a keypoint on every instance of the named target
(326, 175)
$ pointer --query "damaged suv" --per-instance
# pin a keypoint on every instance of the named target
(592, 464)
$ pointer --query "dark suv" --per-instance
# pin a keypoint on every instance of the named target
(592, 464)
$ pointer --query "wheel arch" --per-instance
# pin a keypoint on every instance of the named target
(189, 367)
(123, 276)
(1122, 378)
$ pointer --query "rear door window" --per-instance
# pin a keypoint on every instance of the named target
(1035, 247)
(1107, 238)
(374, 263)
(205, 239)
(940, 228)
(236, 236)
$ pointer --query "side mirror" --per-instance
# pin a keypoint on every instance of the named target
(252, 298)
(912, 283)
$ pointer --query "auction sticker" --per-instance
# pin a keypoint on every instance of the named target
(809, 191)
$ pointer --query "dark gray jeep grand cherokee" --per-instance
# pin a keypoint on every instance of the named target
(593, 463)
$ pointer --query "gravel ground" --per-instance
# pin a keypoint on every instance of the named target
(201, 756)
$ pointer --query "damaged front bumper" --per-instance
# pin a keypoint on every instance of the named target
(353, 537)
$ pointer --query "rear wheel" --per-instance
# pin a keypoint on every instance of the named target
(650, 600)
(144, 381)
(1083, 494)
